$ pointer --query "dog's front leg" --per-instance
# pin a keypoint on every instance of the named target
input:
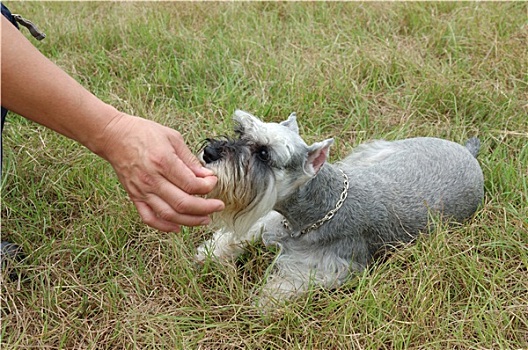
(222, 246)
(273, 229)
(226, 245)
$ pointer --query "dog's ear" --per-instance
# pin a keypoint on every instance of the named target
(245, 117)
(317, 155)
(241, 113)
(291, 123)
(247, 122)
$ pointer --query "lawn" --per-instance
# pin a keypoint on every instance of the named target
(98, 278)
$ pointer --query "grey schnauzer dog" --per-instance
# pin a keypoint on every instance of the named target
(329, 220)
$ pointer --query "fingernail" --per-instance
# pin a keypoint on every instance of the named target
(220, 205)
(207, 171)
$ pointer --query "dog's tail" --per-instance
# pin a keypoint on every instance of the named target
(473, 146)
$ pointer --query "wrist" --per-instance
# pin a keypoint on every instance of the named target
(105, 136)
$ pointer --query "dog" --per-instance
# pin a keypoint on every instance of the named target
(330, 220)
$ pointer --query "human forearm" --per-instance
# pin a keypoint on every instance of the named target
(37, 89)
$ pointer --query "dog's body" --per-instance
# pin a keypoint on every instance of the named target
(331, 219)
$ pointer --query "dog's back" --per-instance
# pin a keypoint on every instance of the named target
(413, 178)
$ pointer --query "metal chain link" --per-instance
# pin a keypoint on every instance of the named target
(328, 215)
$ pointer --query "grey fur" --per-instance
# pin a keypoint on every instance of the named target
(394, 187)
(473, 146)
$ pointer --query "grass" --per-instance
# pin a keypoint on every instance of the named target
(100, 279)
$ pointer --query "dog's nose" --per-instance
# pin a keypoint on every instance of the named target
(211, 154)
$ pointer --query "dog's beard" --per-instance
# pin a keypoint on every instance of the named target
(248, 192)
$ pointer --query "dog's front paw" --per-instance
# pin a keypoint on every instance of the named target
(201, 255)
(210, 249)
(219, 249)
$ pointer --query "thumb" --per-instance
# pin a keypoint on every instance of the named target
(188, 158)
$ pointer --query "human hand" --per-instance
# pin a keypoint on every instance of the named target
(160, 174)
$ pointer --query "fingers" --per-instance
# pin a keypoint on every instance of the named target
(200, 171)
(181, 202)
(193, 179)
(149, 217)
(164, 194)
(187, 157)
(159, 214)
(166, 207)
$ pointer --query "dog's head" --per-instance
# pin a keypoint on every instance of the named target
(264, 164)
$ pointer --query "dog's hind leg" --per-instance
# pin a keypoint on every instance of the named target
(293, 274)
(281, 286)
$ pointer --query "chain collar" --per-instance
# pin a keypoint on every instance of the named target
(328, 215)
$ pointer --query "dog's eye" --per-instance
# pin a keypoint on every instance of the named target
(263, 154)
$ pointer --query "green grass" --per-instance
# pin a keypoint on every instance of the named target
(100, 279)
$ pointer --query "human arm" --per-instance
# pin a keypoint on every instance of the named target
(152, 162)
